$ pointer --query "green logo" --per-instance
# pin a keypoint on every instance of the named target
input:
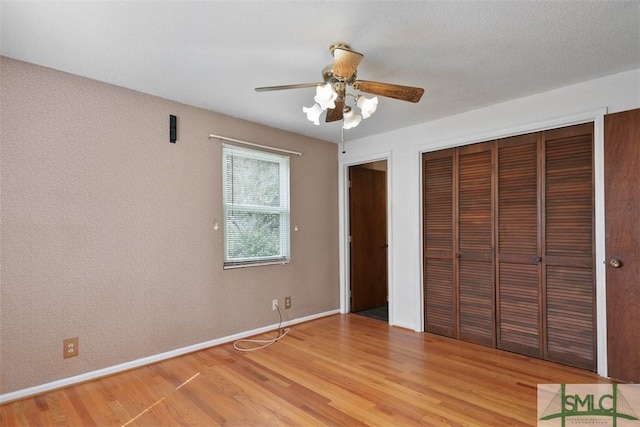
(588, 402)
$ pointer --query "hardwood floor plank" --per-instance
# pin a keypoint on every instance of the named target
(310, 400)
(342, 370)
(259, 404)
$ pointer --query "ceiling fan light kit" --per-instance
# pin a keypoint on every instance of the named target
(350, 119)
(326, 96)
(313, 113)
(366, 105)
(331, 94)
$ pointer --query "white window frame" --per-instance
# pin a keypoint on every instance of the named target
(283, 210)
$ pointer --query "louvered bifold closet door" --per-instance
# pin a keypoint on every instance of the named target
(474, 257)
(518, 246)
(438, 232)
(568, 260)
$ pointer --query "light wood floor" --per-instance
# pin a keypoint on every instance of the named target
(343, 370)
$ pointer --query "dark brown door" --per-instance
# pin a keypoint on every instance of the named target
(440, 300)
(474, 256)
(568, 257)
(622, 213)
(519, 321)
(368, 231)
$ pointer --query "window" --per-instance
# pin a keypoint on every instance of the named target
(256, 206)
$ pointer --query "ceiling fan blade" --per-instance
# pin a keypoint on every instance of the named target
(335, 114)
(404, 93)
(345, 62)
(284, 87)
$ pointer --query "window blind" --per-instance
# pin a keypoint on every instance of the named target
(256, 206)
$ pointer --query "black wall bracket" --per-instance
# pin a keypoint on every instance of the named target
(173, 128)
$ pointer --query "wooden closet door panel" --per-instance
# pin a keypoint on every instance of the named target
(439, 297)
(569, 192)
(568, 260)
(519, 308)
(476, 302)
(438, 231)
(518, 246)
(570, 319)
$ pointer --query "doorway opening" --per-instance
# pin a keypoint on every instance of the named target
(368, 244)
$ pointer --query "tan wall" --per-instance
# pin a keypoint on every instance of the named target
(107, 228)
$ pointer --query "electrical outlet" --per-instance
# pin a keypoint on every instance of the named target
(274, 305)
(70, 348)
(287, 303)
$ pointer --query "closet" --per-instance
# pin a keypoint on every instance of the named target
(509, 245)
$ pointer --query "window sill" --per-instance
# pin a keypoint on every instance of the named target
(253, 264)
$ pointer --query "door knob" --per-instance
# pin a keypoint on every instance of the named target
(615, 263)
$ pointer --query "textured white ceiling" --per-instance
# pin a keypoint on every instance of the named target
(212, 54)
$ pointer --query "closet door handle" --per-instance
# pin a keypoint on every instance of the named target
(538, 259)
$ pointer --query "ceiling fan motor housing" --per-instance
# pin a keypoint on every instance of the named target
(329, 77)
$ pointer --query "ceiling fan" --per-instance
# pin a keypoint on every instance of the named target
(331, 93)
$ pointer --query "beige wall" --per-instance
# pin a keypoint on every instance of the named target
(107, 229)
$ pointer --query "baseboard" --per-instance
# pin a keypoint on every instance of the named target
(92, 375)
(403, 325)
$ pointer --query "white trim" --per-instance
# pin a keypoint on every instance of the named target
(282, 210)
(343, 236)
(409, 326)
(391, 319)
(92, 375)
(420, 324)
(597, 117)
(600, 255)
(519, 129)
(233, 266)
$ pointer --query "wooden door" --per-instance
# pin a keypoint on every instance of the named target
(368, 232)
(474, 253)
(440, 308)
(568, 255)
(518, 272)
(622, 213)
